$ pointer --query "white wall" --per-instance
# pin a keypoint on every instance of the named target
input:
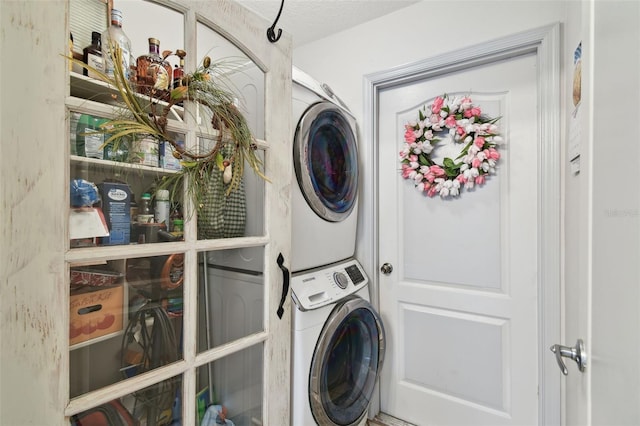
(416, 32)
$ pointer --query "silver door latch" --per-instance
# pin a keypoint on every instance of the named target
(576, 353)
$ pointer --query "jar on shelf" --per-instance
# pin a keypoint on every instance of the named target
(178, 228)
(145, 211)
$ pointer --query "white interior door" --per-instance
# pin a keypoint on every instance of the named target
(461, 305)
(603, 239)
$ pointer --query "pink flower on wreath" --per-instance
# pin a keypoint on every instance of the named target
(476, 162)
(460, 178)
(466, 103)
(437, 105)
(432, 191)
(450, 121)
(406, 171)
(492, 154)
(472, 112)
(461, 131)
(479, 142)
(410, 135)
(480, 179)
(437, 170)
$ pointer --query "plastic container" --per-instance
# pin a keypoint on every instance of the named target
(145, 205)
(178, 228)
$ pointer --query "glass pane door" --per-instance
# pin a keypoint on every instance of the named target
(175, 289)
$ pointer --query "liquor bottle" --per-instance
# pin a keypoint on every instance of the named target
(178, 72)
(114, 37)
(154, 73)
(92, 55)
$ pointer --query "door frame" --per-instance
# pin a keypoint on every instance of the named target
(544, 42)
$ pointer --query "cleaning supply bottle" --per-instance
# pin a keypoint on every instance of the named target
(161, 207)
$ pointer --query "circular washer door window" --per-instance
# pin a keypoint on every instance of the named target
(326, 161)
(346, 363)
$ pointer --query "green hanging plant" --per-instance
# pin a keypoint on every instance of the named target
(143, 117)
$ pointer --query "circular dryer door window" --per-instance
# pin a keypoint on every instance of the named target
(346, 363)
(326, 161)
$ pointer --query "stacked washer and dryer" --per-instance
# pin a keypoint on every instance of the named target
(338, 337)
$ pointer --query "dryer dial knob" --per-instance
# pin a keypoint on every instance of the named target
(341, 279)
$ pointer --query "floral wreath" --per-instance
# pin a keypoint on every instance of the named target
(466, 124)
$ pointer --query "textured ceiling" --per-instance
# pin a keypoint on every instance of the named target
(310, 20)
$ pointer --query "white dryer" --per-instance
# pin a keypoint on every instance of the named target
(338, 346)
(325, 187)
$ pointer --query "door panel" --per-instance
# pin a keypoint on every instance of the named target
(461, 304)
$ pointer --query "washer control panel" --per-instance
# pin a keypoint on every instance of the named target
(318, 287)
(341, 279)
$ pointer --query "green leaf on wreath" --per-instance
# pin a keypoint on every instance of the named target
(464, 151)
(448, 163)
(424, 160)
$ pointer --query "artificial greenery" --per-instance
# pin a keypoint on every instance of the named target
(144, 117)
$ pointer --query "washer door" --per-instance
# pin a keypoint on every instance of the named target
(325, 158)
(346, 363)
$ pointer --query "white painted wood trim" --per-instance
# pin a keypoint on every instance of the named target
(544, 42)
(34, 304)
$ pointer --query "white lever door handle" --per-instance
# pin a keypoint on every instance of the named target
(576, 353)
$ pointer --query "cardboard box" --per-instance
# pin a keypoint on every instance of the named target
(116, 204)
(95, 313)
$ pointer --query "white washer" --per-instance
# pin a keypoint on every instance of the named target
(325, 187)
(338, 346)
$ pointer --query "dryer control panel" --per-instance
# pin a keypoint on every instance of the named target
(318, 287)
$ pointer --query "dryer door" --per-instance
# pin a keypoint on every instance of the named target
(325, 158)
(346, 363)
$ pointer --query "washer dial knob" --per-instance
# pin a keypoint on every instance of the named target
(341, 279)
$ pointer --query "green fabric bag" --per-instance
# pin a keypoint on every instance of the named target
(222, 216)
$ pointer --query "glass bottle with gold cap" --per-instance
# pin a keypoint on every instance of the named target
(153, 72)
